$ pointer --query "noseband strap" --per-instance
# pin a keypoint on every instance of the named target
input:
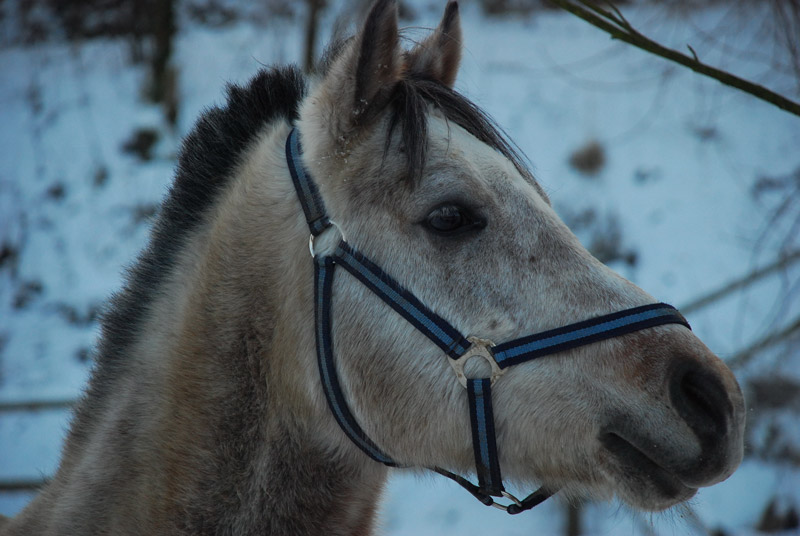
(454, 344)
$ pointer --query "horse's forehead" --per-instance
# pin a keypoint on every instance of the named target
(453, 146)
(445, 136)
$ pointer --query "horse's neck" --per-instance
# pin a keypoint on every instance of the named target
(239, 390)
(216, 427)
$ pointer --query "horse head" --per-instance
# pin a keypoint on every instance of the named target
(420, 180)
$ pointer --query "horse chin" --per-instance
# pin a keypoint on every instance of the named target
(652, 494)
(641, 482)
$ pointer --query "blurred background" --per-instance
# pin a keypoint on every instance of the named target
(687, 187)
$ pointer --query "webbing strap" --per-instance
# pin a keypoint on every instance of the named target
(313, 206)
(323, 285)
(476, 492)
(401, 300)
(484, 444)
(586, 332)
(534, 499)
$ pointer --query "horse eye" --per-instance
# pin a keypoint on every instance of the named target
(448, 220)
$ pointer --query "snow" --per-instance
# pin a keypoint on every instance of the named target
(683, 154)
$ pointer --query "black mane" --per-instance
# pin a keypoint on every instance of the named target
(205, 167)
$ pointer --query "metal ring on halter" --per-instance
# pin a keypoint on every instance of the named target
(479, 348)
(508, 496)
(311, 238)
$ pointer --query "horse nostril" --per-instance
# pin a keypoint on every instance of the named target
(701, 400)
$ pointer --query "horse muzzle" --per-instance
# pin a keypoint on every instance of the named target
(695, 442)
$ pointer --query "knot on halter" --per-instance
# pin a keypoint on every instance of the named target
(455, 346)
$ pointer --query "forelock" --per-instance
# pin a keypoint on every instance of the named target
(413, 101)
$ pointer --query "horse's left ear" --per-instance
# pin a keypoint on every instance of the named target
(361, 79)
(438, 57)
(378, 66)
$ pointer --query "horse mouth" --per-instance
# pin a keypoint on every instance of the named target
(646, 484)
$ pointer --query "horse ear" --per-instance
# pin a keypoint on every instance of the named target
(360, 81)
(437, 57)
(378, 66)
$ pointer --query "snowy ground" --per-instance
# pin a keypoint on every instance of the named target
(683, 157)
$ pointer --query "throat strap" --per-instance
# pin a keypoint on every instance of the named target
(323, 285)
(433, 326)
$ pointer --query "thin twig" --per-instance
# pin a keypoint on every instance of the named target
(768, 341)
(32, 484)
(618, 29)
(620, 16)
(36, 405)
(600, 11)
(703, 301)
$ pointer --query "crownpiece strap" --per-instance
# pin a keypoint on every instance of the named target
(307, 192)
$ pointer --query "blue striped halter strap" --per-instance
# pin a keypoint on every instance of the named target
(456, 346)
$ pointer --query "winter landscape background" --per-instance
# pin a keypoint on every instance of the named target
(683, 185)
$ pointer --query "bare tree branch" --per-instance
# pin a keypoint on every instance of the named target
(618, 27)
(768, 341)
(37, 405)
(312, 29)
(22, 484)
(783, 262)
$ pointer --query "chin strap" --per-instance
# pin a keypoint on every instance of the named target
(458, 348)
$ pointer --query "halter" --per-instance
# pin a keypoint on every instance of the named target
(456, 346)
